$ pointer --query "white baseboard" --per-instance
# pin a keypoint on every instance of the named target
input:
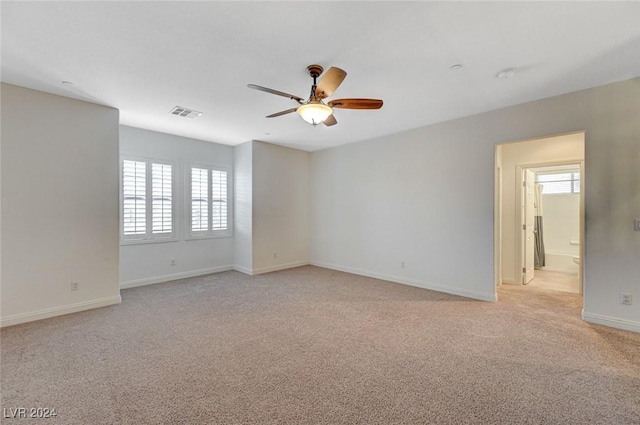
(173, 276)
(269, 269)
(242, 269)
(412, 282)
(277, 267)
(614, 322)
(58, 311)
(510, 281)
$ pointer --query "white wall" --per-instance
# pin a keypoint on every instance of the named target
(561, 225)
(151, 262)
(59, 205)
(272, 207)
(243, 234)
(417, 198)
(425, 197)
(280, 207)
(568, 147)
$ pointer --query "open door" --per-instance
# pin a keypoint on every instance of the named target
(528, 224)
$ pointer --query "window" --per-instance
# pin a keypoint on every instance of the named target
(162, 203)
(147, 207)
(559, 183)
(208, 202)
(199, 200)
(134, 197)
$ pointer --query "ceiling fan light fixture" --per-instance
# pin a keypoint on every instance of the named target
(314, 112)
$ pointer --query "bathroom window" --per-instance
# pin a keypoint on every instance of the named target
(559, 183)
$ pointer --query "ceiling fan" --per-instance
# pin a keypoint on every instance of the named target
(314, 110)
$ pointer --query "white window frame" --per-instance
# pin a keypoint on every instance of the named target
(149, 236)
(209, 233)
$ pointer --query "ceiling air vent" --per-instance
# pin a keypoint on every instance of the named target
(185, 112)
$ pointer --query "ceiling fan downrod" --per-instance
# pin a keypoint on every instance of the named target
(314, 71)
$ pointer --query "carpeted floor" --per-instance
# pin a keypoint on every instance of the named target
(315, 346)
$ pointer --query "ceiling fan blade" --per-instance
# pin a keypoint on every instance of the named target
(330, 82)
(356, 103)
(277, 114)
(331, 120)
(272, 91)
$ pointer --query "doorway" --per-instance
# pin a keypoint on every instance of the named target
(551, 217)
(528, 173)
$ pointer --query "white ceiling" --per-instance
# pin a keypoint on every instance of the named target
(144, 58)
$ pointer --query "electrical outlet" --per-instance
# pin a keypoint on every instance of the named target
(75, 286)
(173, 261)
(636, 224)
(402, 264)
(626, 298)
(275, 255)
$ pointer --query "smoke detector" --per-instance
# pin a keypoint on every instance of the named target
(506, 73)
(185, 112)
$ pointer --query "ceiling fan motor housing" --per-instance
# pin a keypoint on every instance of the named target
(315, 70)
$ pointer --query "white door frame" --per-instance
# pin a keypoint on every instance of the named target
(497, 226)
(527, 207)
(520, 260)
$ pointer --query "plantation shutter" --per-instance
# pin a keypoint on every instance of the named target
(199, 199)
(134, 197)
(219, 200)
(162, 204)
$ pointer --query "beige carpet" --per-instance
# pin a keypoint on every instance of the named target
(315, 346)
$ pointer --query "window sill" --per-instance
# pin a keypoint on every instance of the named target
(209, 236)
(124, 242)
